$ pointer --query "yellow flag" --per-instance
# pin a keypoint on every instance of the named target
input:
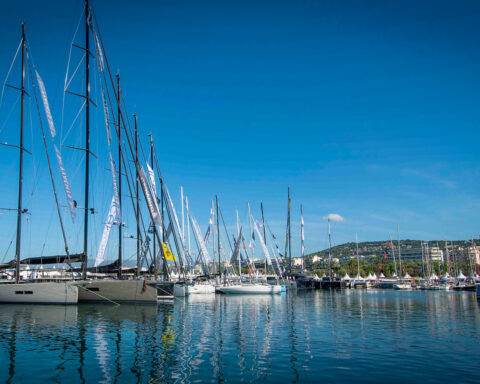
(168, 254)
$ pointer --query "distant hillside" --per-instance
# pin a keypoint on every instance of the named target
(375, 248)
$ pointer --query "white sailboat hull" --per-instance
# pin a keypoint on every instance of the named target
(254, 289)
(402, 286)
(118, 291)
(199, 289)
(39, 293)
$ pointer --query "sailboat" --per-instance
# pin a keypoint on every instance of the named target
(358, 281)
(253, 287)
(33, 292)
(331, 281)
(404, 284)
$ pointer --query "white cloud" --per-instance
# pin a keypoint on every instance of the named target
(333, 217)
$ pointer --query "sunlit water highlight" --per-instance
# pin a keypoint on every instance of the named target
(349, 336)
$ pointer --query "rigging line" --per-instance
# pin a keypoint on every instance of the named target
(33, 140)
(59, 77)
(74, 73)
(48, 157)
(73, 123)
(225, 227)
(68, 69)
(9, 70)
(10, 113)
(128, 170)
(126, 132)
(8, 248)
(79, 164)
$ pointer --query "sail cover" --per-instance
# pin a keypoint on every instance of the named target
(46, 106)
(66, 184)
(112, 214)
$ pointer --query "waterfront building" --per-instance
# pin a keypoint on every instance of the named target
(415, 254)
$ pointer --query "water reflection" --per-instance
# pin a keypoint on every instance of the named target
(299, 337)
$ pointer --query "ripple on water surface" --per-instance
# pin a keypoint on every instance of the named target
(366, 336)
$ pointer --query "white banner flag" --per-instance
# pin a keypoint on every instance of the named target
(46, 106)
(151, 175)
(203, 248)
(66, 184)
(262, 242)
(107, 120)
(115, 186)
(112, 214)
(150, 199)
(99, 53)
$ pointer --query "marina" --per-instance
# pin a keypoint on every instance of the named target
(183, 193)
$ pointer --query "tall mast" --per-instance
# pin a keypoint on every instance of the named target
(393, 254)
(238, 239)
(155, 267)
(264, 237)
(218, 240)
(183, 216)
(87, 140)
(188, 224)
(120, 239)
(137, 196)
(20, 174)
(251, 233)
(399, 251)
(289, 234)
(302, 238)
(358, 257)
(330, 249)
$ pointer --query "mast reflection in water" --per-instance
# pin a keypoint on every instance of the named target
(364, 336)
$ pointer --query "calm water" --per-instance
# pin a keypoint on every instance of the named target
(382, 336)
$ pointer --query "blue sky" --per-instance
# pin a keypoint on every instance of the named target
(365, 109)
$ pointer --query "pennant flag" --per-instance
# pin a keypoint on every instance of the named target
(168, 254)
(46, 106)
